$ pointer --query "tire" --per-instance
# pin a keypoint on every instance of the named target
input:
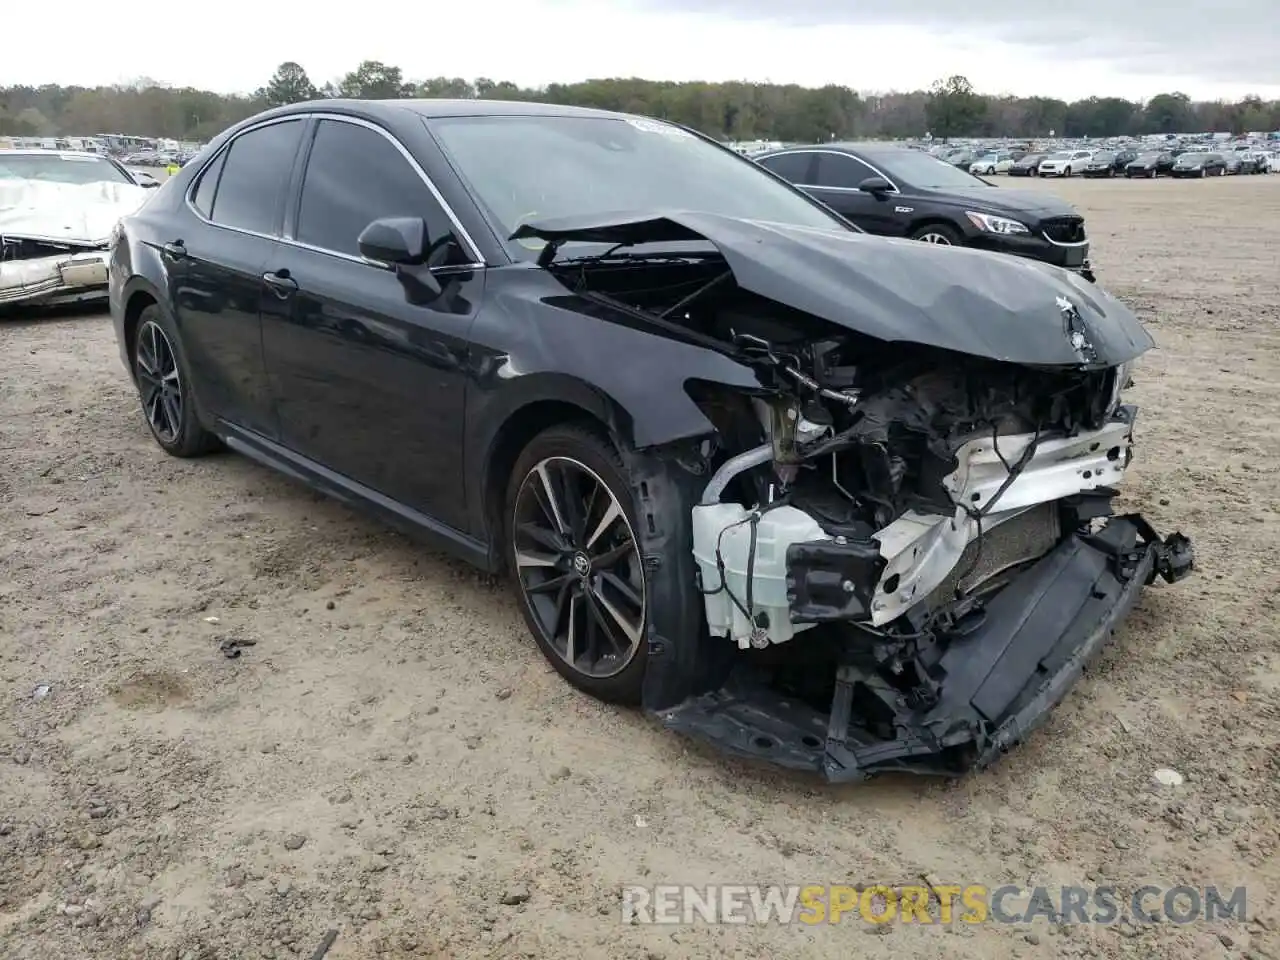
(1204, 172)
(161, 374)
(937, 233)
(1152, 174)
(569, 593)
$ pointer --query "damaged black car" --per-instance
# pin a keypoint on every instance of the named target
(839, 502)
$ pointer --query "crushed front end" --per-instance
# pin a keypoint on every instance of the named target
(917, 560)
(38, 271)
(904, 537)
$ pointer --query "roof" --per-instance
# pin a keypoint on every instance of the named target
(449, 108)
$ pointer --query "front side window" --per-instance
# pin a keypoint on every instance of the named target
(839, 170)
(355, 176)
(523, 169)
(255, 173)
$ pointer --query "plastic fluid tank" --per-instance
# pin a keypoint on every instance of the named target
(728, 526)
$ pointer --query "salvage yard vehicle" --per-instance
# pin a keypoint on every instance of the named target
(1150, 165)
(1064, 163)
(1199, 165)
(1028, 165)
(827, 499)
(991, 164)
(893, 192)
(57, 211)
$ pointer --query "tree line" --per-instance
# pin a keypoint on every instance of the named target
(732, 110)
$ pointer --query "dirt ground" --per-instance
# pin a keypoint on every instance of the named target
(392, 757)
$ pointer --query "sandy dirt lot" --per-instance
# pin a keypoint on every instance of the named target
(392, 758)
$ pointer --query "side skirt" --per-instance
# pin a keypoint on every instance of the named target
(409, 521)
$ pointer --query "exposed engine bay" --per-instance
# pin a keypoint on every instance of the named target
(912, 549)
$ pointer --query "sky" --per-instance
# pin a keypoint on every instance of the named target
(1208, 49)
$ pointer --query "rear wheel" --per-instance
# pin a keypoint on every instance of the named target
(571, 545)
(938, 233)
(164, 388)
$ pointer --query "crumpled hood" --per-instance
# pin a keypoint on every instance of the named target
(67, 212)
(985, 304)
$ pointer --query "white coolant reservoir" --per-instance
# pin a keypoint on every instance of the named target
(728, 526)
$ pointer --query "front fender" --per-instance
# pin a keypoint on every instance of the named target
(535, 342)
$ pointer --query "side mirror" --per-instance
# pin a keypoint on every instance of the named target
(874, 185)
(397, 240)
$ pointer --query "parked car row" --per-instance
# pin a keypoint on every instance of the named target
(1127, 163)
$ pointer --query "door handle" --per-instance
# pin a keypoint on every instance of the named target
(176, 249)
(283, 285)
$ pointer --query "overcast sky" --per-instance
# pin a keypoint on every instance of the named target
(1077, 48)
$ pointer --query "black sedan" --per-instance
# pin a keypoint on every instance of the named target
(904, 193)
(1199, 165)
(1101, 164)
(1028, 165)
(796, 489)
(1150, 165)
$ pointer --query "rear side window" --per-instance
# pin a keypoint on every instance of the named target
(839, 170)
(254, 176)
(355, 175)
(795, 167)
(202, 199)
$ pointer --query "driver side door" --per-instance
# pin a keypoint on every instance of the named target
(367, 370)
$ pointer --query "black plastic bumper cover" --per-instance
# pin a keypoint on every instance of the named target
(1000, 679)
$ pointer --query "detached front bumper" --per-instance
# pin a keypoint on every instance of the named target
(999, 676)
(58, 279)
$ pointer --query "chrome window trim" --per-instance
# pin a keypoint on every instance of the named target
(471, 249)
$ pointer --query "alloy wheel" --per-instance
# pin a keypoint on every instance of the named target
(579, 567)
(159, 382)
(934, 238)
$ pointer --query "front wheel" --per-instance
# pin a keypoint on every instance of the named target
(571, 545)
(164, 388)
(937, 233)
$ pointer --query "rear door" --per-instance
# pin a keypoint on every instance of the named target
(215, 270)
(367, 372)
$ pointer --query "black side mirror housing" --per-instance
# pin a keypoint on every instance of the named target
(874, 185)
(401, 241)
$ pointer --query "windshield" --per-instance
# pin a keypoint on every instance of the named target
(1059, 156)
(1104, 157)
(59, 169)
(523, 169)
(922, 171)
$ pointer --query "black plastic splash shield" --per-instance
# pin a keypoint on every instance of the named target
(1001, 679)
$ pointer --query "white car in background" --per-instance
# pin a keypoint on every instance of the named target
(990, 164)
(57, 212)
(1065, 163)
(1273, 161)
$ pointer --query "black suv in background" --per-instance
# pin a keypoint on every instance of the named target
(897, 192)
